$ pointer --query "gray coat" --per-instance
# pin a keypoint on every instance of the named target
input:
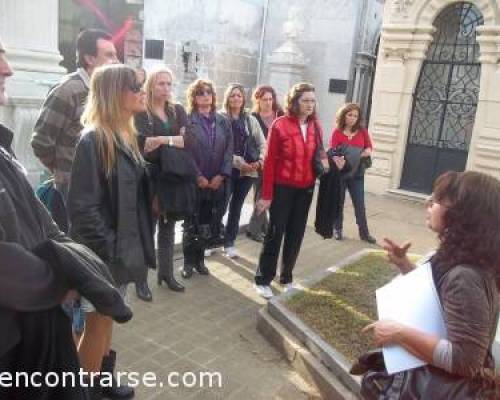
(253, 128)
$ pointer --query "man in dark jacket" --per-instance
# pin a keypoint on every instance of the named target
(35, 334)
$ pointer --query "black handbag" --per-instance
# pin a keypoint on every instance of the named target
(425, 382)
(177, 164)
(210, 234)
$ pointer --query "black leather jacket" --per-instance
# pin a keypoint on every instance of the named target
(112, 215)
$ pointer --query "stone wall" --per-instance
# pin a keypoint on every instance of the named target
(333, 32)
(327, 43)
(226, 36)
(219, 39)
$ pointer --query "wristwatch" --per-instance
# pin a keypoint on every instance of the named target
(170, 141)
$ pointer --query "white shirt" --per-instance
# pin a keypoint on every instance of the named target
(85, 76)
(303, 128)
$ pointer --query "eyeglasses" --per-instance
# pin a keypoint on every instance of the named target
(206, 92)
(135, 87)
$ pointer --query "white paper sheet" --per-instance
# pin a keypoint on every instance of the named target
(412, 300)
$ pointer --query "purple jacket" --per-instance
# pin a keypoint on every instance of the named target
(212, 160)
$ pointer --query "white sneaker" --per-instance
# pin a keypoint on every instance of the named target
(288, 287)
(208, 252)
(231, 252)
(264, 291)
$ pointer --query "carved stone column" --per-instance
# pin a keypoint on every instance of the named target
(29, 30)
(484, 153)
(403, 48)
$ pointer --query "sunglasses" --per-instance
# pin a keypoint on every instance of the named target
(135, 87)
(207, 92)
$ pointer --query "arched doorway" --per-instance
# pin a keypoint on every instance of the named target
(445, 100)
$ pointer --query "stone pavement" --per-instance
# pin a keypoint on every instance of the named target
(211, 327)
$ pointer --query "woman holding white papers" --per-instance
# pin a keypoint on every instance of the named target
(464, 211)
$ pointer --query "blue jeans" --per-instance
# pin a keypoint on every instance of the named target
(240, 186)
(356, 188)
(73, 309)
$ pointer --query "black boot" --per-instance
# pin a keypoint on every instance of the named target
(143, 292)
(114, 391)
(365, 236)
(94, 392)
(187, 271)
(200, 266)
(189, 263)
(165, 243)
(166, 272)
(171, 283)
(169, 279)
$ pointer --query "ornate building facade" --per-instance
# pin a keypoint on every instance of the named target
(436, 97)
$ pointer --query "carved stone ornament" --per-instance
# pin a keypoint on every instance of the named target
(400, 7)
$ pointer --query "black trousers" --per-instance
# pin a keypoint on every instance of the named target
(288, 218)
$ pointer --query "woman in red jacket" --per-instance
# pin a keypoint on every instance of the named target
(350, 132)
(288, 185)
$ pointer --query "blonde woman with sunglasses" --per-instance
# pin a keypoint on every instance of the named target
(109, 202)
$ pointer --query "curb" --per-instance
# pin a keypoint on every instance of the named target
(307, 365)
(320, 364)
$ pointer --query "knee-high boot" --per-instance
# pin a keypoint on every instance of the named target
(166, 269)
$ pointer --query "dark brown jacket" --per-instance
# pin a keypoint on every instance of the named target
(469, 299)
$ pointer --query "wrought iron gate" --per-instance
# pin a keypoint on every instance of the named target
(445, 100)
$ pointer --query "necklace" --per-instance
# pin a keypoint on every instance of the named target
(350, 135)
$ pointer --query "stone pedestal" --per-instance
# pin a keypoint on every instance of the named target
(29, 31)
(287, 63)
(286, 67)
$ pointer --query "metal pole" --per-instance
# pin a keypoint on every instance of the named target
(261, 48)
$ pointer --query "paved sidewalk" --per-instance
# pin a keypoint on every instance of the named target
(211, 327)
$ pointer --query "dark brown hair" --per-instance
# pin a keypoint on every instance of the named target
(343, 111)
(293, 96)
(261, 91)
(86, 44)
(199, 84)
(471, 233)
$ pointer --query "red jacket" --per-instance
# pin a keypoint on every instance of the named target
(289, 158)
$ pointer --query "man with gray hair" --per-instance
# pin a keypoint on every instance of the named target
(30, 290)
